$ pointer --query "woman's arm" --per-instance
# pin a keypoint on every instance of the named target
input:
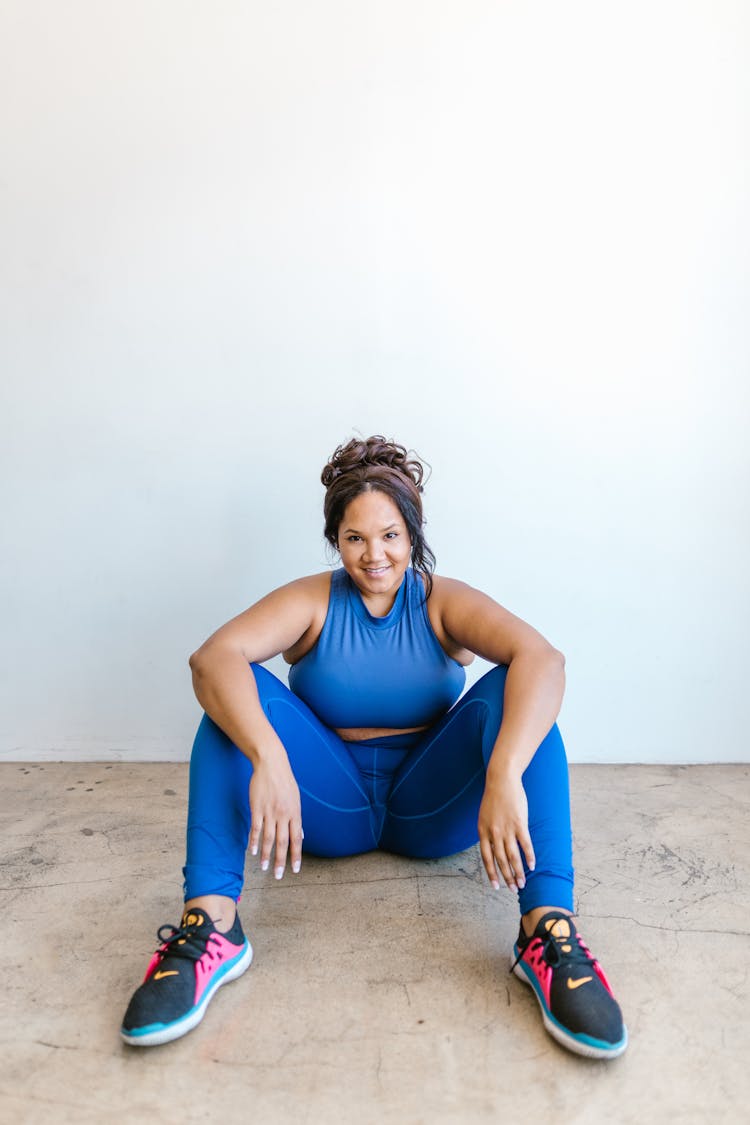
(533, 694)
(225, 687)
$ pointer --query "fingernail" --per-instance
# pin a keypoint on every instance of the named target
(264, 865)
(278, 872)
(254, 849)
(532, 866)
(521, 884)
(495, 885)
(296, 867)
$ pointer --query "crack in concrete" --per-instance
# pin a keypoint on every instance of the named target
(665, 929)
(278, 884)
(48, 886)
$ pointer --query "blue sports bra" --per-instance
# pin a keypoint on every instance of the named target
(366, 671)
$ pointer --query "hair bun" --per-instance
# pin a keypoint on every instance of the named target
(359, 454)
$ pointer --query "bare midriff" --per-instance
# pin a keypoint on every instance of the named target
(357, 734)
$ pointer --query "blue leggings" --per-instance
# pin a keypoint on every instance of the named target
(415, 795)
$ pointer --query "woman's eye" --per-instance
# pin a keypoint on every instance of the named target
(391, 534)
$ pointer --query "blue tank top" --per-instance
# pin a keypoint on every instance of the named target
(366, 671)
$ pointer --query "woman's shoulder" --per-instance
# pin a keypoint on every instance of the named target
(444, 588)
(312, 589)
(444, 592)
(310, 584)
(316, 590)
(442, 580)
(453, 596)
(283, 618)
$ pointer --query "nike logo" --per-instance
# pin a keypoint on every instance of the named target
(174, 973)
(577, 983)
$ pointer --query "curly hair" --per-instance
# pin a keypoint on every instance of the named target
(374, 464)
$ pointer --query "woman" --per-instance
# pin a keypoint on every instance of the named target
(369, 749)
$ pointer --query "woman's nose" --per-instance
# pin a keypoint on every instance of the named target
(373, 551)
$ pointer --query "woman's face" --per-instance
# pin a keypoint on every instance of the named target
(375, 547)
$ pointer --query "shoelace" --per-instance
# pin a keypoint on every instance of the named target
(190, 942)
(552, 951)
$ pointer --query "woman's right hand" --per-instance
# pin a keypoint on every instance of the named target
(276, 814)
(504, 828)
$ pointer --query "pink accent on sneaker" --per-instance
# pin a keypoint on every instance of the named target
(533, 956)
(596, 966)
(155, 959)
(218, 950)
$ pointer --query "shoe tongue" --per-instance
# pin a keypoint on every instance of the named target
(192, 918)
(557, 925)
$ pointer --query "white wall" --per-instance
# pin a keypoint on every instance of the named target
(511, 235)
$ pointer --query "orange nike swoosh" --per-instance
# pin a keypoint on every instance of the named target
(579, 982)
(171, 973)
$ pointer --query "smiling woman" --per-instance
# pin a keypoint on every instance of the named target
(375, 549)
(371, 747)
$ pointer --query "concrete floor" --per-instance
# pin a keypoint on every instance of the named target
(380, 990)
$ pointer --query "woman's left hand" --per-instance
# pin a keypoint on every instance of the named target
(504, 829)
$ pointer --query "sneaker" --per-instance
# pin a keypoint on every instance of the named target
(578, 1007)
(185, 972)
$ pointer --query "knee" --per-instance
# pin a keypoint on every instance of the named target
(265, 681)
(497, 676)
(209, 737)
(270, 690)
(491, 686)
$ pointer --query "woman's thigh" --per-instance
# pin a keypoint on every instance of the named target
(337, 816)
(433, 804)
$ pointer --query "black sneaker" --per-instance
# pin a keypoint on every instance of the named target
(577, 1004)
(185, 972)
